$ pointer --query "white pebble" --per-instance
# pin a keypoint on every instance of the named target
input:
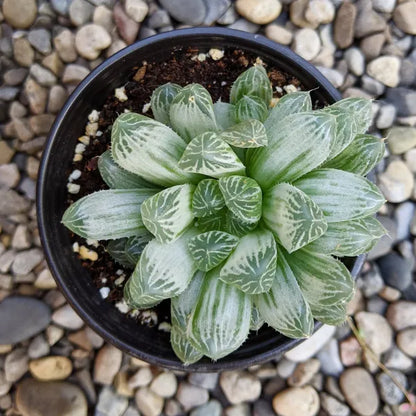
(73, 188)
(77, 157)
(93, 116)
(165, 327)
(80, 148)
(202, 57)
(122, 306)
(290, 88)
(84, 139)
(91, 129)
(146, 108)
(104, 292)
(99, 133)
(119, 281)
(76, 174)
(216, 54)
(120, 94)
(75, 247)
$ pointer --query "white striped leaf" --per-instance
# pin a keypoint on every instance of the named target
(243, 197)
(360, 156)
(330, 315)
(255, 82)
(251, 266)
(149, 149)
(221, 320)
(300, 144)
(224, 114)
(169, 213)
(116, 249)
(349, 238)
(107, 215)
(183, 348)
(209, 155)
(292, 216)
(192, 112)
(163, 271)
(235, 226)
(161, 100)
(211, 248)
(249, 133)
(342, 196)
(207, 198)
(323, 280)
(257, 320)
(215, 222)
(249, 107)
(118, 178)
(130, 295)
(283, 307)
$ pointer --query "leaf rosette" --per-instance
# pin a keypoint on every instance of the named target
(238, 212)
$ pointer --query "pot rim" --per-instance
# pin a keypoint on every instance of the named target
(215, 33)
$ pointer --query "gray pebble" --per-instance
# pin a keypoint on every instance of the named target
(15, 76)
(191, 12)
(403, 99)
(160, 18)
(244, 25)
(212, 408)
(330, 360)
(386, 242)
(42, 75)
(376, 305)
(372, 86)
(40, 39)
(389, 392)
(80, 12)
(38, 347)
(61, 6)
(263, 408)
(12, 203)
(8, 93)
(229, 17)
(371, 282)
(396, 270)
(404, 216)
(407, 73)
(110, 403)
(215, 9)
(205, 380)
(386, 116)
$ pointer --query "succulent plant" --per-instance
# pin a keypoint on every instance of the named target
(237, 212)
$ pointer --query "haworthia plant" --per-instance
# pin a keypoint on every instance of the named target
(238, 212)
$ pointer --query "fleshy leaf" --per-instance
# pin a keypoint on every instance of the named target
(330, 315)
(254, 82)
(149, 149)
(211, 248)
(209, 155)
(249, 133)
(192, 112)
(283, 307)
(249, 107)
(168, 213)
(360, 156)
(214, 222)
(218, 331)
(116, 249)
(118, 178)
(207, 198)
(323, 280)
(251, 266)
(161, 100)
(298, 145)
(342, 196)
(243, 197)
(292, 216)
(183, 348)
(163, 271)
(224, 114)
(107, 215)
(349, 238)
(257, 320)
(235, 226)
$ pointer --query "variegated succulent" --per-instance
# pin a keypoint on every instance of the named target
(237, 212)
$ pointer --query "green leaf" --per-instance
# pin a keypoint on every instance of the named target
(221, 321)
(342, 196)
(323, 280)
(207, 199)
(149, 149)
(243, 197)
(224, 114)
(256, 321)
(215, 222)
(349, 238)
(116, 249)
(211, 248)
(249, 133)
(168, 213)
(163, 271)
(360, 156)
(298, 145)
(283, 307)
(118, 178)
(252, 265)
(209, 155)
(255, 82)
(161, 100)
(235, 226)
(183, 348)
(192, 112)
(330, 315)
(249, 107)
(292, 216)
(107, 215)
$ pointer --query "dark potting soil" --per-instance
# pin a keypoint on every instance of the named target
(181, 68)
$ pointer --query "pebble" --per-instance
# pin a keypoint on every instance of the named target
(80, 12)
(368, 21)
(51, 368)
(21, 237)
(396, 182)
(404, 17)
(6, 152)
(127, 27)
(216, 11)
(240, 386)
(386, 242)
(205, 380)
(355, 61)
(386, 116)
(74, 74)
(9, 175)
(259, 11)
(407, 72)
(403, 99)
(8, 93)
(64, 43)
(333, 406)
(104, 17)
(20, 13)
(190, 12)
(263, 408)
(406, 341)
(38, 347)
(320, 12)
(158, 19)
(389, 392)
(404, 215)
(42, 75)
(110, 404)
(396, 270)
(136, 9)
(242, 409)
(164, 385)
(344, 25)
(66, 317)
(360, 391)
(402, 315)
(212, 408)
(40, 39)
(50, 399)
(306, 43)
(304, 373)
(61, 6)
(15, 76)
(57, 98)
(279, 34)
(384, 6)
(4, 384)
(385, 69)
(141, 378)
(244, 25)
(54, 63)
(23, 52)
(397, 360)
(297, 401)
(336, 78)
(90, 40)
(190, 396)
(149, 403)
(107, 364)
(36, 95)
(330, 359)
(16, 365)
(26, 261)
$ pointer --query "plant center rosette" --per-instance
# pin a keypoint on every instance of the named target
(237, 212)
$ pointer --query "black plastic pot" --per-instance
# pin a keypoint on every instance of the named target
(148, 344)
